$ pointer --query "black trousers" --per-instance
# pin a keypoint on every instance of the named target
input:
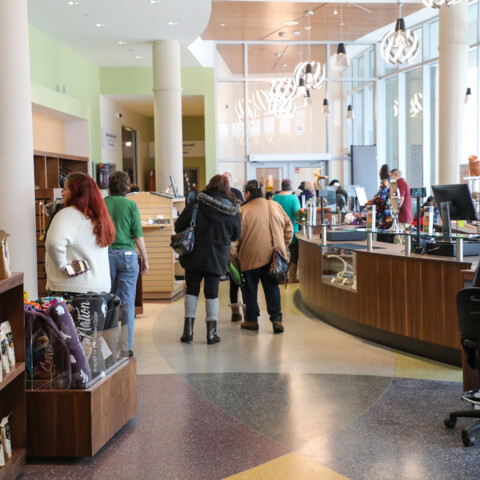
(210, 286)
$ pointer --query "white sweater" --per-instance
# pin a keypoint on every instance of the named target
(70, 237)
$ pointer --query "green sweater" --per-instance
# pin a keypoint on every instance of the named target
(126, 218)
(291, 204)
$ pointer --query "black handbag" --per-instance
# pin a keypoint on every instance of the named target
(278, 270)
(183, 242)
(279, 267)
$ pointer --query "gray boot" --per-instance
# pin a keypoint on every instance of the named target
(211, 305)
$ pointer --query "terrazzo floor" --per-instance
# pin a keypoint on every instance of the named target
(312, 403)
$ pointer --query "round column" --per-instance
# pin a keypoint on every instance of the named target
(167, 92)
(453, 57)
(17, 187)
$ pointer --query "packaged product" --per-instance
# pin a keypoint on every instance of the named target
(6, 438)
(5, 270)
(2, 456)
(10, 345)
(4, 350)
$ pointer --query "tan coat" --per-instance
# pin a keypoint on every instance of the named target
(255, 246)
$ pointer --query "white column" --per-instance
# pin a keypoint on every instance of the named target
(453, 55)
(17, 187)
(167, 92)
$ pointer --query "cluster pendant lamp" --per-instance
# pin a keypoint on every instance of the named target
(439, 3)
(401, 45)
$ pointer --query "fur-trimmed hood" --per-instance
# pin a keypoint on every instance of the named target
(217, 204)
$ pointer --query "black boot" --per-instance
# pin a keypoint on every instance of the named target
(212, 332)
(187, 336)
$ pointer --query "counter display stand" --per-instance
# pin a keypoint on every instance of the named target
(12, 387)
(50, 170)
(160, 282)
(64, 422)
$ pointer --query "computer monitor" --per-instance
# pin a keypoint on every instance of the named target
(455, 202)
(361, 196)
(331, 194)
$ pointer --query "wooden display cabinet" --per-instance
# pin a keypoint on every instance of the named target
(159, 283)
(50, 170)
(12, 387)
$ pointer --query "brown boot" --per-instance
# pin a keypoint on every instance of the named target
(236, 315)
(292, 273)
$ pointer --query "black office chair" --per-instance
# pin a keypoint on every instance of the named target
(468, 309)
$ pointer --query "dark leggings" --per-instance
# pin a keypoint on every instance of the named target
(293, 252)
(210, 287)
(234, 288)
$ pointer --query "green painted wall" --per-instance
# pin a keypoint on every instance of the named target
(195, 81)
(65, 81)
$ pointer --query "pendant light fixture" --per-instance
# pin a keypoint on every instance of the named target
(468, 95)
(349, 112)
(341, 59)
(326, 106)
(400, 45)
(313, 73)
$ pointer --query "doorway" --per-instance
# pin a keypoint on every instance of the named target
(129, 153)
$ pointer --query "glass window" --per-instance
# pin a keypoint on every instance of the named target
(371, 62)
(471, 120)
(472, 23)
(286, 126)
(229, 61)
(419, 33)
(434, 154)
(391, 121)
(414, 127)
(433, 39)
(231, 117)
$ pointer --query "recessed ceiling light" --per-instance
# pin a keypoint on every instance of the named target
(122, 42)
(173, 23)
(139, 57)
(296, 32)
(155, 1)
(72, 3)
(222, 24)
(335, 12)
(99, 25)
(308, 27)
(290, 24)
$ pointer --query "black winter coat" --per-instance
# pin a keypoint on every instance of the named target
(218, 224)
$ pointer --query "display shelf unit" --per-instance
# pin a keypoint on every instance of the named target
(78, 423)
(159, 283)
(49, 170)
(12, 387)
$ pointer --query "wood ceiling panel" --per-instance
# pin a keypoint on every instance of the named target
(256, 21)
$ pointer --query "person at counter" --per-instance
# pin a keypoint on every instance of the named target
(307, 193)
(291, 205)
(341, 195)
(405, 203)
(380, 200)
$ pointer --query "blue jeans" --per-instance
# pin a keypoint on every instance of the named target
(271, 290)
(124, 270)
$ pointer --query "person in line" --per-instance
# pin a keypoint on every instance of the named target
(341, 195)
(82, 230)
(134, 188)
(269, 195)
(122, 255)
(291, 205)
(405, 200)
(217, 225)
(300, 188)
(265, 225)
(235, 305)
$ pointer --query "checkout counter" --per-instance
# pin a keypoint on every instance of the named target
(384, 294)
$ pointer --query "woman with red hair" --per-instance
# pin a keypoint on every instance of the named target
(82, 230)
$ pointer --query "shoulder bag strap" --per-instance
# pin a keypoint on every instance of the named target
(194, 215)
(270, 223)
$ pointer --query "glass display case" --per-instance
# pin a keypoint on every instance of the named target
(71, 343)
(339, 267)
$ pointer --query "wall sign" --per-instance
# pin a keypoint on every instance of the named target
(195, 148)
(109, 140)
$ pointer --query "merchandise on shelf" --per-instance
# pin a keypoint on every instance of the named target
(6, 438)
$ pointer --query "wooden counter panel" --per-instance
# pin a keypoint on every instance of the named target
(409, 296)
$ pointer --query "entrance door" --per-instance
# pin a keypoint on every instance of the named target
(129, 153)
(271, 174)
